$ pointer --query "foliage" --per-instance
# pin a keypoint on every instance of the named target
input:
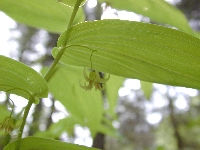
(54, 16)
(22, 80)
(124, 49)
(132, 49)
(45, 144)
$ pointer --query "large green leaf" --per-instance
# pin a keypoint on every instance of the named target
(46, 14)
(135, 50)
(17, 78)
(157, 10)
(35, 143)
(85, 106)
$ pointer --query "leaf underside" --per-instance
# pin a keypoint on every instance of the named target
(158, 10)
(135, 50)
(46, 14)
(35, 143)
(17, 78)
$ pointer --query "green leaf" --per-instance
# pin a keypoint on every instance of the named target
(112, 88)
(135, 50)
(36, 143)
(71, 3)
(157, 10)
(85, 106)
(147, 89)
(47, 14)
(4, 112)
(64, 125)
(111, 131)
(19, 79)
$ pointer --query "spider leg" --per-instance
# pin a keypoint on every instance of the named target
(99, 86)
(85, 75)
(86, 87)
(102, 80)
(17, 126)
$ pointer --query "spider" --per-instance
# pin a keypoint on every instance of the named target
(94, 80)
(8, 123)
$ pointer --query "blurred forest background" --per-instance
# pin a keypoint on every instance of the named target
(148, 116)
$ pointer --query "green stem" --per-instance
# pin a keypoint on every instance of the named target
(30, 102)
(48, 74)
(61, 52)
(55, 62)
(75, 10)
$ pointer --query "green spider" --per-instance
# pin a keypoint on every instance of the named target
(94, 79)
(8, 125)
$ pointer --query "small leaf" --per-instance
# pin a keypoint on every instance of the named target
(46, 14)
(64, 125)
(19, 79)
(4, 112)
(147, 89)
(36, 143)
(109, 131)
(134, 50)
(112, 88)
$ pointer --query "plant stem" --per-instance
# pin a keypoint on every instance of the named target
(48, 74)
(75, 10)
(62, 50)
(55, 62)
(30, 102)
